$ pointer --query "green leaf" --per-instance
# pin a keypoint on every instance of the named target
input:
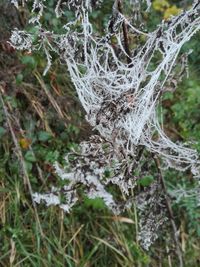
(30, 157)
(52, 156)
(44, 136)
(168, 96)
(19, 78)
(29, 166)
(107, 173)
(29, 61)
(2, 131)
(96, 203)
(146, 180)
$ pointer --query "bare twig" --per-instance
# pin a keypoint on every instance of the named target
(55, 105)
(125, 34)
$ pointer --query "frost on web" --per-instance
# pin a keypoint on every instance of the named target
(17, 3)
(152, 207)
(21, 40)
(120, 89)
(121, 98)
(94, 167)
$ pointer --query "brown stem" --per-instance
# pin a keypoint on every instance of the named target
(125, 34)
(27, 183)
(170, 211)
